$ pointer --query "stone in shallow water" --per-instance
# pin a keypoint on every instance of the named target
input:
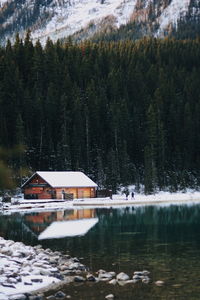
(137, 277)
(113, 281)
(146, 279)
(122, 276)
(113, 274)
(110, 297)
(177, 285)
(138, 273)
(101, 271)
(60, 294)
(124, 282)
(105, 275)
(159, 283)
(104, 279)
(145, 273)
(75, 259)
(79, 279)
(51, 297)
(90, 277)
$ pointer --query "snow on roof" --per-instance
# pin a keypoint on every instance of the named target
(68, 228)
(67, 179)
(64, 179)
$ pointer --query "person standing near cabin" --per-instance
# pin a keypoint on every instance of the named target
(127, 193)
(132, 195)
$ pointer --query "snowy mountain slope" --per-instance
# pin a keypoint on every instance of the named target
(61, 18)
(172, 13)
(71, 18)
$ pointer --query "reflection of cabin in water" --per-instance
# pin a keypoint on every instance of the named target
(38, 222)
(59, 185)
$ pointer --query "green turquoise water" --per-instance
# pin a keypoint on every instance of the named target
(162, 239)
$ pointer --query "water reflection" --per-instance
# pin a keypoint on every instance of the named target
(164, 240)
(68, 229)
(60, 224)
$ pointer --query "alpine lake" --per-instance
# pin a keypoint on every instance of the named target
(163, 239)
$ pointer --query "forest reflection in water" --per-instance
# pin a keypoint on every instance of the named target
(162, 239)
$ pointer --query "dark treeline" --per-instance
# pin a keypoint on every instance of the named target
(124, 113)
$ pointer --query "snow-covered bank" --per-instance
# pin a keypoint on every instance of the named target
(117, 200)
(25, 269)
(141, 199)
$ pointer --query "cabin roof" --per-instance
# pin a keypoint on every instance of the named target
(64, 179)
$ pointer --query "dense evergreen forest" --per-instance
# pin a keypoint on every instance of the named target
(122, 112)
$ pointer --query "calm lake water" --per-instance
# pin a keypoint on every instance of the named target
(162, 239)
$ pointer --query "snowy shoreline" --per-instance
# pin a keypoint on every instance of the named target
(116, 201)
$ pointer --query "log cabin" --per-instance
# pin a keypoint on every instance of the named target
(59, 185)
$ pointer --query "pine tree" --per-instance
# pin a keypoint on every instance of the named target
(150, 151)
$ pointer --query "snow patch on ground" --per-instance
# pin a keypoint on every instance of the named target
(23, 287)
(117, 200)
(19, 261)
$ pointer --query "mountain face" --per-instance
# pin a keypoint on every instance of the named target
(83, 18)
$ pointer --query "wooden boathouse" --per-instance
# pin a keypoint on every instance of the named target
(59, 185)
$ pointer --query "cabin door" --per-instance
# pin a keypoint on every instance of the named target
(80, 193)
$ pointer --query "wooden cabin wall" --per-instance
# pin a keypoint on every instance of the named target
(77, 192)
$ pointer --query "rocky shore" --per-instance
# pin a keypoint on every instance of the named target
(24, 269)
(26, 272)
